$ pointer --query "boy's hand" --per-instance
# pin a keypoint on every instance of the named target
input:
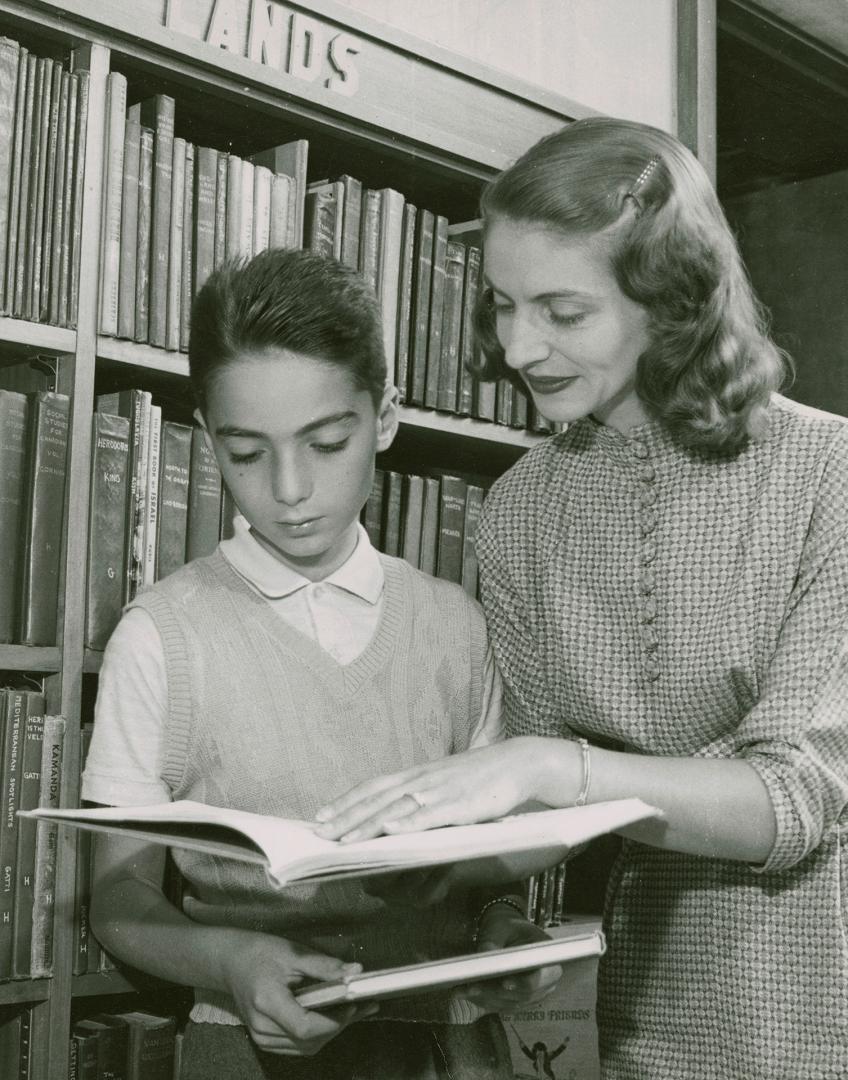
(502, 927)
(261, 973)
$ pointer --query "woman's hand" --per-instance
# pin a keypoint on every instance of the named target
(502, 927)
(478, 785)
(261, 971)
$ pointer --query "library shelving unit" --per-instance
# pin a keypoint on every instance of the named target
(394, 111)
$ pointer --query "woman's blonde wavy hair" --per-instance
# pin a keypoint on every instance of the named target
(711, 367)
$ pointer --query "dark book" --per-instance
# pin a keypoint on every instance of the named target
(322, 225)
(233, 244)
(10, 1043)
(83, 82)
(187, 287)
(280, 213)
(401, 360)
(369, 238)
(33, 739)
(13, 704)
(437, 303)
(518, 409)
(151, 496)
(261, 208)
(113, 178)
(46, 844)
(8, 266)
(413, 509)
(449, 371)
(221, 209)
(246, 212)
(422, 279)
(38, 178)
(175, 246)
(429, 557)
(503, 402)
(84, 944)
(10, 54)
(83, 1055)
(468, 349)
(41, 278)
(372, 512)
(112, 1036)
(30, 124)
(204, 499)
(53, 236)
(13, 485)
(485, 399)
(43, 517)
(205, 181)
(157, 113)
(351, 219)
(473, 505)
(392, 506)
(144, 226)
(290, 159)
(226, 529)
(391, 241)
(128, 258)
(451, 522)
(174, 466)
(107, 526)
(65, 215)
(150, 1055)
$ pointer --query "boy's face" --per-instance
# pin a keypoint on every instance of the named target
(295, 442)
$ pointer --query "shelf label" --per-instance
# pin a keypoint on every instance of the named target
(270, 34)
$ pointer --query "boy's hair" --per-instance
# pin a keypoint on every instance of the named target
(294, 300)
(711, 367)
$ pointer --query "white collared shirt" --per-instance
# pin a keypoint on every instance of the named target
(340, 613)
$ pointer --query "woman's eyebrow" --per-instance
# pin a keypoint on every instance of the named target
(550, 294)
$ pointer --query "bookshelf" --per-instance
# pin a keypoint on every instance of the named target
(240, 86)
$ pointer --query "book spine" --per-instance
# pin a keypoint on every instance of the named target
(13, 702)
(41, 281)
(451, 521)
(35, 226)
(420, 316)
(392, 503)
(351, 221)
(226, 529)
(128, 245)
(186, 291)
(158, 113)
(175, 245)
(79, 177)
(10, 54)
(221, 209)
(247, 210)
(53, 244)
(428, 561)
(391, 242)
(369, 238)
(143, 235)
(468, 350)
(473, 507)
(48, 446)
(107, 526)
(405, 302)
(33, 739)
(13, 473)
(448, 378)
(280, 210)
(7, 267)
(372, 513)
(205, 180)
(234, 207)
(173, 497)
(437, 303)
(113, 163)
(47, 838)
(204, 499)
(140, 429)
(82, 879)
(29, 122)
(261, 208)
(319, 221)
(152, 495)
(413, 509)
(291, 159)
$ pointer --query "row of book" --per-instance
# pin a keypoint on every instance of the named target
(43, 120)
(133, 1045)
(32, 746)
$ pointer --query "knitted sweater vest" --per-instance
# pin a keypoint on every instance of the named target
(260, 718)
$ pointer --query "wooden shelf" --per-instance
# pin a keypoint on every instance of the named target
(20, 338)
(102, 982)
(24, 991)
(30, 658)
(92, 661)
(138, 355)
(467, 427)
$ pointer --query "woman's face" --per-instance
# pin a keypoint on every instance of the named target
(564, 323)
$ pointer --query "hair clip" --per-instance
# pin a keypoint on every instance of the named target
(642, 179)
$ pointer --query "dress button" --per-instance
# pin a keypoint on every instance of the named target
(648, 553)
(652, 669)
(647, 473)
(647, 582)
(639, 449)
(648, 611)
(648, 497)
(647, 520)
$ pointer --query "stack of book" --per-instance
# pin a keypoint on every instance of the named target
(43, 116)
(125, 1046)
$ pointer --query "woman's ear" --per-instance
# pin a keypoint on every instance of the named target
(387, 418)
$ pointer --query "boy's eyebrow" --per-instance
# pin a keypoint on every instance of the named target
(235, 432)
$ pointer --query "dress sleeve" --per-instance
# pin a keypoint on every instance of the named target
(796, 736)
(124, 761)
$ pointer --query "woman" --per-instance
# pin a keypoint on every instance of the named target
(666, 585)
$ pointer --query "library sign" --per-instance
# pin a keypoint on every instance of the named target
(271, 34)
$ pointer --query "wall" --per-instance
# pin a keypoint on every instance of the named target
(795, 241)
(616, 56)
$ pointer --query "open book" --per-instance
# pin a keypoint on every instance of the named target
(452, 971)
(291, 852)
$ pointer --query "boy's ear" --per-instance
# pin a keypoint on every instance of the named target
(387, 418)
(198, 416)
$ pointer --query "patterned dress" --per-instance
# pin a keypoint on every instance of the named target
(667, 604)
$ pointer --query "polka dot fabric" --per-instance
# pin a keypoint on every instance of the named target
(663, 603)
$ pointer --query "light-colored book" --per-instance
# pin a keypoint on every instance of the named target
(291, 851)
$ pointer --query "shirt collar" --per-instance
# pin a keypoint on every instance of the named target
(361, 574)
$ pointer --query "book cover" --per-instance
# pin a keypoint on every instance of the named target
(234, 206)
(62, 262)
(392, 503)
(388, 275)
(372, 512)
(437, 304)
(187, 254)
(13, 706)
(226, 529)
(150, 1054)
(19, 124)
(204, 499)
(474, 496)
(113, 180)
(143, 234)
(112, 1035)
(128, 244)
(413, 509)
(13, 479)
(46, 842)
(33, 738)
(157, 113)
(83, 82)
(422, 276)
(43, 517)
(351, 220)
(369, 237)
(83, 1055)
(452, 491)
(291, 851)
(468, 348)
(290, 159)
(52, 260)
(10, 53)
(107, 526)
(447, 397)
(261, 208)
(322, 218)
(205, 181)
(55, 136)
(429, 555)
(401, 360)
(247, 210)
(221, 209)
(279, 230)
(30, 132)
(151, 500)
(175, 245)
(175, 463)
(38, 178)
